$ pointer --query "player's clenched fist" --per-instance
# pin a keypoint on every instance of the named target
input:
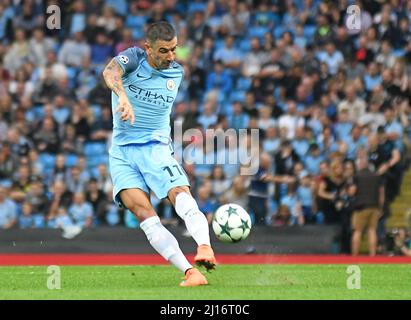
(125, 109)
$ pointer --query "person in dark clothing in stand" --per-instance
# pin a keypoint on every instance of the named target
(258, 194)
(334, 200)
(97, 199)
(285, 159)
(386, 160)
(369, 200)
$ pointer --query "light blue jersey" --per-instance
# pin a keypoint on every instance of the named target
(151, 93)
(141, 155)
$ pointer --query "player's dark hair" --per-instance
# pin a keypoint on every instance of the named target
(160, 31)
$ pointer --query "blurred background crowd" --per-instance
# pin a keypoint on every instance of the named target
(321, 95)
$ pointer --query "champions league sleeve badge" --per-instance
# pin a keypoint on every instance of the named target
(123, 59)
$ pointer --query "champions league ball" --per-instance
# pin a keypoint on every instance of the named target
(231, 223)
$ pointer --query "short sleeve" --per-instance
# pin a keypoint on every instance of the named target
(129, 59)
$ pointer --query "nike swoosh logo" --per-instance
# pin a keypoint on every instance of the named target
(172, 180)
(143, 76)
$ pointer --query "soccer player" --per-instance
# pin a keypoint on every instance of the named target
(144, 85)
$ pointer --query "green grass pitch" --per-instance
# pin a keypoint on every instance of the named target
(228, 282)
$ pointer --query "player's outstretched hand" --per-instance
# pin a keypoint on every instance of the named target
(124, 107)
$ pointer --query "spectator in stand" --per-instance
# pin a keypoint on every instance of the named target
(236, 20)
(253, 61)
(236, 194)
(324, 32)
(39, 47)
(97, 199)
(62, 219)
(346, 217)
(81, 211)
(77, 21)
(61, 111)
(258, 191)
(372, 77)
(271, 143)
(101, 50)
(369, 200)
(74, 181)
(355, 106)
(7, 165)
(209, 116)
(6, 25)
(313, 159)
(113, 214)
(229, 55)
(305, 195)
(8, 210)
(74, 50)
(206, 203)
(21, 184)
(332, 57)
(219, 182)
(237, 118)
(103, 178)
(291, 120)
(292, 202)
(19, 144)
(373, 117)
(220, 79)
(38, 200)
(60, 198)
(331, 192)
(265, 120)
(19, 51)
(47, 138)
(25, 219)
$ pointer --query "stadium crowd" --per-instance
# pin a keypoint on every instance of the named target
(320, 94)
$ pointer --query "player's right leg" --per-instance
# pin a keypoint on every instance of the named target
(196, 223)
(137, 201)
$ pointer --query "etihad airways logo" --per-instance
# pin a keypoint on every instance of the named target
(150, 96)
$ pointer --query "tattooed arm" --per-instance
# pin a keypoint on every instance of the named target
(112, 75)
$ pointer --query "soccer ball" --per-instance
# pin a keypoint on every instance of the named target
(231, 223)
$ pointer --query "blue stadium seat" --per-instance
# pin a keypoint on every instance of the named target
(36, 112)
(257, 32)
(243, 84)
(197, 6)
(71, 160)
(135, 21)
(48, 160)
(97, 111)
(94, 161)
(94, 149)
(245, 45)
(119, 6)
(237, 95)
(218, 44)
(308, 31)
(278, 32)
(93, 171)
(72, 76)
(398, 53)
(138, 33)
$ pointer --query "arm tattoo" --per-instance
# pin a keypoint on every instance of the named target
(112, 75)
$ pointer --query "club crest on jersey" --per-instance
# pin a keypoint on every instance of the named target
(171, 85)
(123, 59)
